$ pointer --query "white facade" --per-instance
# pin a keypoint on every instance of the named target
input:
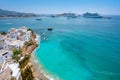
(15, 70)
(24, 29)
(27, 36)
(12, 36)
(1, 38)
(3, 45)
(14, 39)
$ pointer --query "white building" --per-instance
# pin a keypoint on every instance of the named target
(24, 29)
(27, 36)
(12, 35)
(1, 38)
(14, 39)
(3, 45)
(6, 54)
(16, 44)
(15, 70)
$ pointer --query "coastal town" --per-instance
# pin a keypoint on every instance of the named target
(15, 48)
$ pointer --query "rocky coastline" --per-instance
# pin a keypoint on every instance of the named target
(28, 49)
(16, 49)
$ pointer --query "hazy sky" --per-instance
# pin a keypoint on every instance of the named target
(60, 6)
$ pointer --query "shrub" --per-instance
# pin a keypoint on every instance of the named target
(27, 74)
(3, 33)
(24, 62)
(29, 30)
(13, 78)
(15, 54)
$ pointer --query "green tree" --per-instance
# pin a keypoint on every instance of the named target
(15, 54)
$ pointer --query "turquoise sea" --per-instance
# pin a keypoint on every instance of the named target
(76, 49)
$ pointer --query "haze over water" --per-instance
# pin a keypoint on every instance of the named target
(76, 49)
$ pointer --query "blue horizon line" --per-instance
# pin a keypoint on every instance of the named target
(61, 13)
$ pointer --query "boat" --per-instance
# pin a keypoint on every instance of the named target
(49, 29)
(38, 19)
(92, 15)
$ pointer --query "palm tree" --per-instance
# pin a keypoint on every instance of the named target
(15, 54)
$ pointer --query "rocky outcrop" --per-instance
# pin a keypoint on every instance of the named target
(29, 65)
(29, 46)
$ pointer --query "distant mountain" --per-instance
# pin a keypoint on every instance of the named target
(6, 13)
(72, 15)
(67, 15)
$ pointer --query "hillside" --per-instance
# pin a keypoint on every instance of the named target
(6, 13)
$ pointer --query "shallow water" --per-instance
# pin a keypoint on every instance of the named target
(76, 49)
